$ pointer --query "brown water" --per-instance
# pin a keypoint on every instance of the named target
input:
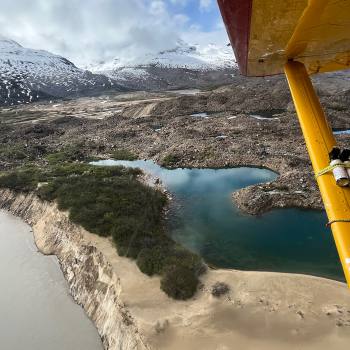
(37, 312)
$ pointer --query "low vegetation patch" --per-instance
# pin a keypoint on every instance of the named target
(179, 282)
(17, 153)
(123, 154)
(72, 153)
(112, 202)
(170, 160)
(219, 289)
(13, 153)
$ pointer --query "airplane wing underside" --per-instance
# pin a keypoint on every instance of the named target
(265, 34)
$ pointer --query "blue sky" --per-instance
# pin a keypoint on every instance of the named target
(100, 30)
(204, 14)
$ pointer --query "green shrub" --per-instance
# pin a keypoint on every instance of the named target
(23, 180)
(47, 192)
(13, 152)
(179, 256)
(17, 154)
(68, 154)
(127, 233)
(170, 160)
(151, 261)
(113, 201)
(110, 201)
(179, 282)
(18, 151)
(123, 154)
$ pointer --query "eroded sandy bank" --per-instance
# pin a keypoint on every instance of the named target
(262, 311)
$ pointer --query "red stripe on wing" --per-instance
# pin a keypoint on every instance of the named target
(237, 17)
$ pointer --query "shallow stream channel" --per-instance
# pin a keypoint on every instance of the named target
(204, 218)
(37, 312)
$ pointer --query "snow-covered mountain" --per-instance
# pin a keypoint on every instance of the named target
(194, 57)
(185, 66)
(28, 75)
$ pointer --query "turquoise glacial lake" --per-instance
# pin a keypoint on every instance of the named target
(204, 219)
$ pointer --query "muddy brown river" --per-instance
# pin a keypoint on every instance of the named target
(36, 310)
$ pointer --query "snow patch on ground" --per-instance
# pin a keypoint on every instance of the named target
(128, 73)
(342, 132)
(259, 117)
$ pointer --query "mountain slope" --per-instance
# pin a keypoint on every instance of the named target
(185, 66)
(28, 75)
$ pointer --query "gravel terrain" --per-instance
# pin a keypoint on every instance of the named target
(249, 123)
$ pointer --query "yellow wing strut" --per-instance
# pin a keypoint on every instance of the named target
(320, 141)
(309, 19)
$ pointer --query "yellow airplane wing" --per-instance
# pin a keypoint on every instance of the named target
(266, 33)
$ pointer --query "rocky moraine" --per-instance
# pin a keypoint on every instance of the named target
(249, 123)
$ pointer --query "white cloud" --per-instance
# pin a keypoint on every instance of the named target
(181, 19)
(158, 8)
(205, 5)
(196, 36)
(89, 29)
(179, 2)
(92, 30)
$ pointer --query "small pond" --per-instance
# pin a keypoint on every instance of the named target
(205, 220)
(200, 115)
(341, 131)
(269, 114)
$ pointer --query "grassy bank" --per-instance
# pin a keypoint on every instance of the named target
(112, 202)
